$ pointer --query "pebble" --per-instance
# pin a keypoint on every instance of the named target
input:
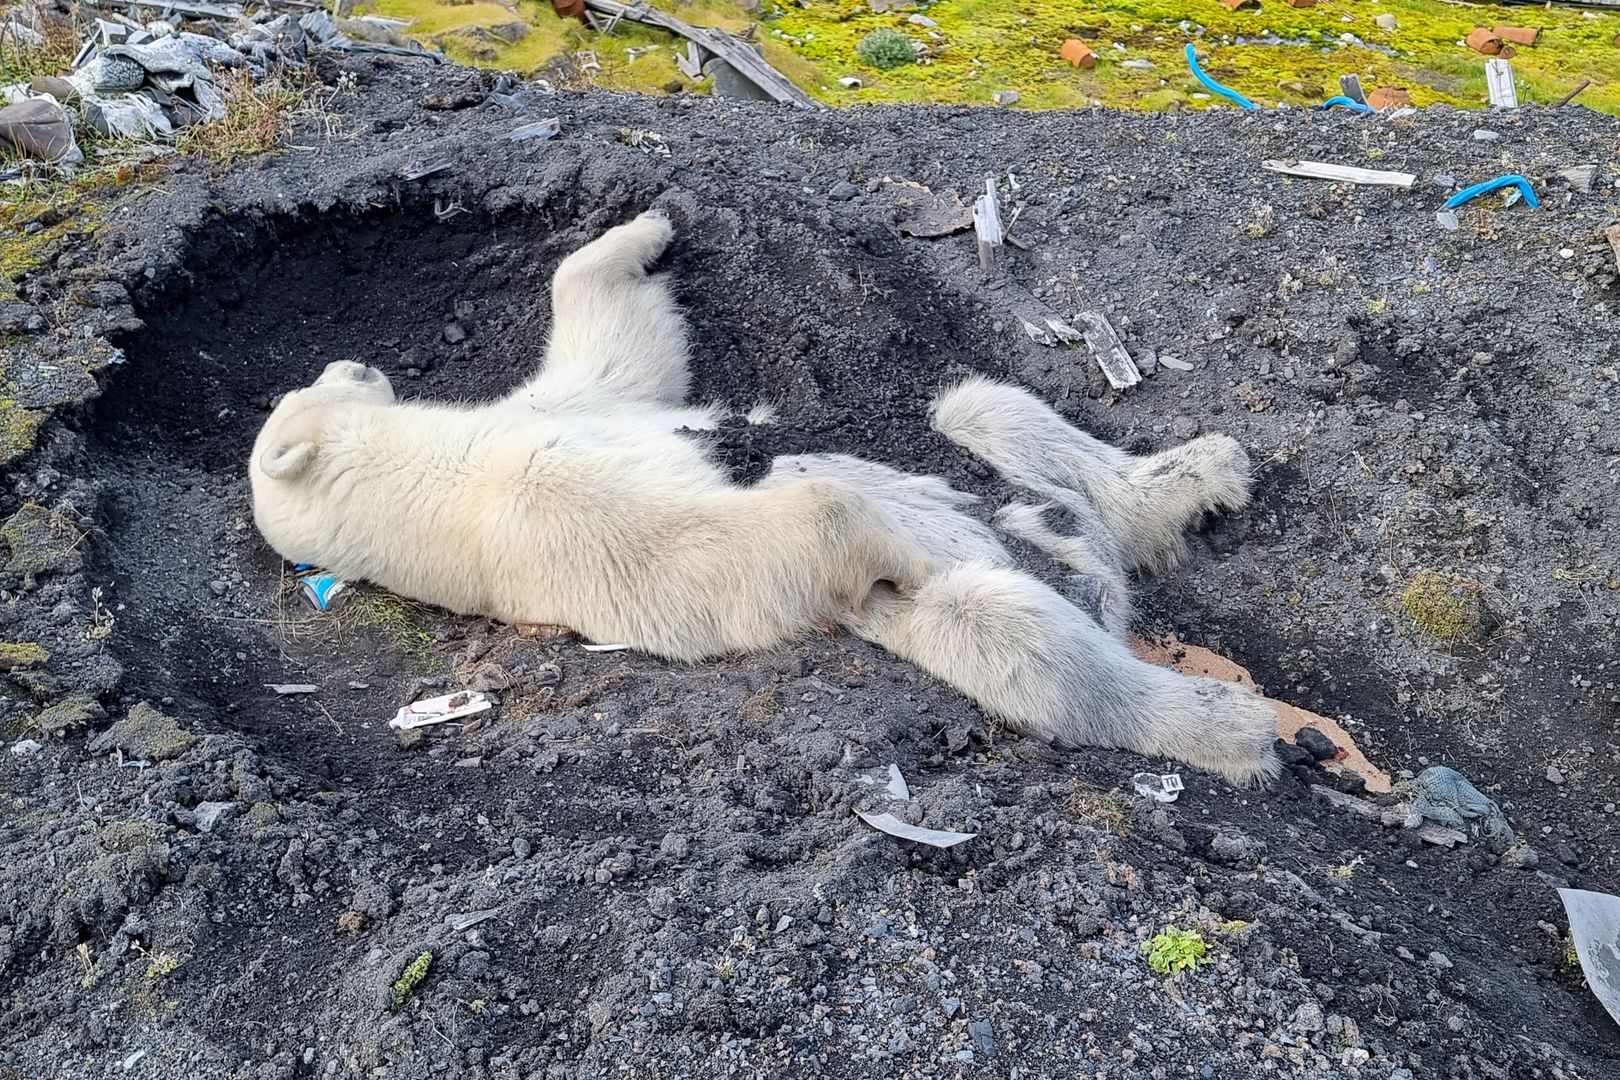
(1308, 1018)
(843, 191)
(1320, 746)
(1486, 135)
(1554, 776)
(983, 1036)
(454, 334)
(1441, 961)
(218, 588)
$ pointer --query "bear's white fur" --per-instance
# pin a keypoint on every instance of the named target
(576, 501)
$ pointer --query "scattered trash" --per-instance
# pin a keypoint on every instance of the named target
(1389, 97)
(24, 747)
(1486, 135)
(929, 214)
(1198, 73)
(132, 1060)
(648, 142)
(1346, 102)
(1518, 35)
(1350, 87)
(1499, 84)
(850, 82)
(1108, 350)
(1174, 363)
(132, 763)
(1448, 220)
(39, 128)
(469, 919)
(440, 709)
(320, 588)
(1482, 40)
(1166, 788)
(1138, 64)
(421, 172)
(541, 129)
(1078, 53)
(1511, 180)
(1594, 927)
(888, 823)
(1612, 235)
(208, 814)
(292, 689)
(1445, 797)
(987, 224)
(1345, 174)
(1385, 22)
(618, 647)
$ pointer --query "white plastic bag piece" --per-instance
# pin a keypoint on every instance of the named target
(440, 709)
(1166, 788)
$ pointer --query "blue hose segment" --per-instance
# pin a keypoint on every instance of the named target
(1510, 180)
(1350, 103)
(1198, 73)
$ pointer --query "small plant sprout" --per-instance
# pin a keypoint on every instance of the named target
(410, 978)
(1174, 950)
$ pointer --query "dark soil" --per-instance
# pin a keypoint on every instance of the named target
(674, 879)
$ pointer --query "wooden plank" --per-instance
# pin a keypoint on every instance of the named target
(1347, 174)
(742, 58)
(1350, 86)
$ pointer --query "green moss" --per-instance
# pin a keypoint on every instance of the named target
(1174, 950)
(144, 734)
(16, 655)
(19, 428)
(412, 976)
(394, 618)
(259, 817)
(1446, 607)
(41, 541)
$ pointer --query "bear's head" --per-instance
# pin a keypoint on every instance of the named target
(290, 441)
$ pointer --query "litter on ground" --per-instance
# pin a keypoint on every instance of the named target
(438, 710)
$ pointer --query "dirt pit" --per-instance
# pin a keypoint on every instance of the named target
(639, 868)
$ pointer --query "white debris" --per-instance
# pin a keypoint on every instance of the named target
(469, 919)
(888, 823)
(26, 746)
(1345, 174)
(1166, 788)
(288, 689)
(440, 709)
(1175, 363)
(1594, 927)
(605, 648)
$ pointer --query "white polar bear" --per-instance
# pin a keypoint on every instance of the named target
(576, 501)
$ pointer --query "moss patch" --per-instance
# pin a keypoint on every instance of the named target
(41, 541)
(17, 655)
(145, 733)
(1446, 607)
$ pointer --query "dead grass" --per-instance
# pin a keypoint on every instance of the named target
(22, 62)
(259, 115)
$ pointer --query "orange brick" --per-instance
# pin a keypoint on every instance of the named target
(1508, 52)
(1518, 35)
(1301, 3)
(1242, 5)
(1389, 97)
(1483, 41)
(1078, 53)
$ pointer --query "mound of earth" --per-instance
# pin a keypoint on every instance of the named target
(632, 868)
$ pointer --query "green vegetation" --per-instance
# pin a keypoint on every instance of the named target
(886, 49)
(410, 978)
(400, 621)
(1174, 950)
(1292, 55)
(1446, 607)
(16, 655)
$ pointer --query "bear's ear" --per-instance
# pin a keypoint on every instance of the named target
(287, 460)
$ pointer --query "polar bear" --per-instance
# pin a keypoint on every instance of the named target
(627, 535)
(578, 500)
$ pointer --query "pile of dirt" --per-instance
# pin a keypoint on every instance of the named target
(644, 869)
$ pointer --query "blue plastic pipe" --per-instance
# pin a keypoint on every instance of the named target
(1510, 180)
(1198, 73)
(1348, 102)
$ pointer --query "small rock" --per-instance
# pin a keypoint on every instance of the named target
(219, 588)
(1554, 776)
(1320, 746)
(983, 1036)
(1385, 22)
(1486, 135)
(1005, 97)
(850, 82)
(843, 191)
(921, 20)
(454, 334)
(521, 848)
(1308, 1018)
(1441, 961)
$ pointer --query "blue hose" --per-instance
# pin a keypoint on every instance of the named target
(1510, 180)
(1198, 73)
(1350, 103)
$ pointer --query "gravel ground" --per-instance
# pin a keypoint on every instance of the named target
(639, 869)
